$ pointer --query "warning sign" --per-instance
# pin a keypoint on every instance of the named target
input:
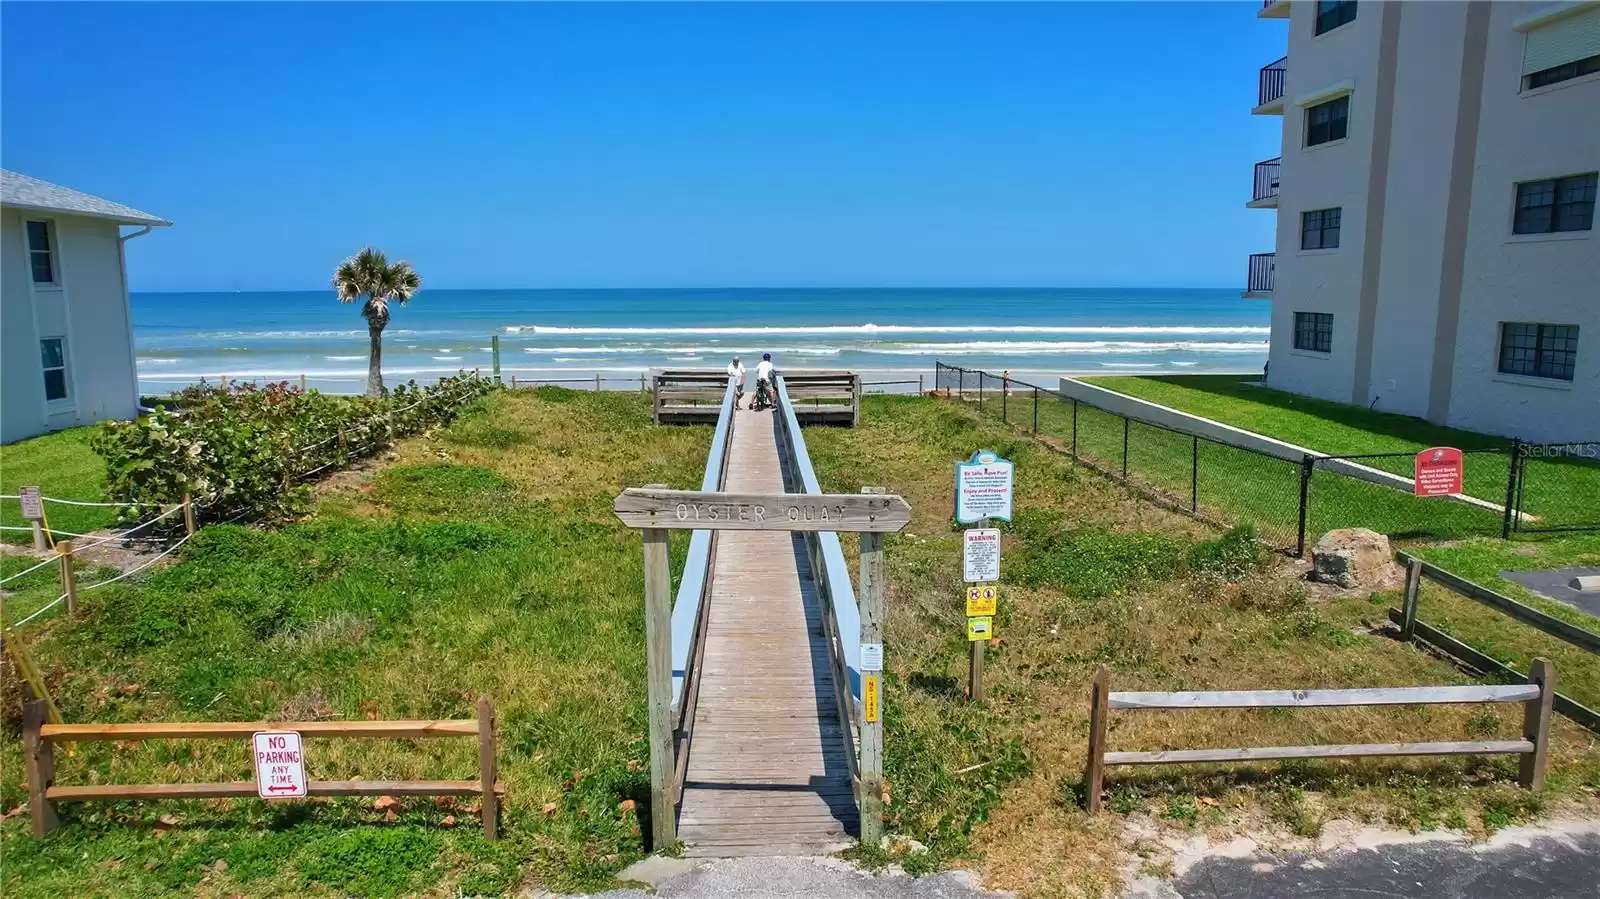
(280, 765)
(982, 600)
(1438, 472)
(980, 629)
(980, 555)
(32, 506)
(869, 697)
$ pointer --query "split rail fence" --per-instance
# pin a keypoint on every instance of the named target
(1411, 629)
(39, 737)
(1533, 748)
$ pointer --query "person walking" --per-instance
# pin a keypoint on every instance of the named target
(736, 378)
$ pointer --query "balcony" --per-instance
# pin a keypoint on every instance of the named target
(1273, 9)
(1264, 195)
(1259, 284)
(1269, 96)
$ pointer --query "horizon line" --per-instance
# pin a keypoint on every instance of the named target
(730, 287)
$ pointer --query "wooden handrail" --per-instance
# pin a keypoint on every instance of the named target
(1537, 698)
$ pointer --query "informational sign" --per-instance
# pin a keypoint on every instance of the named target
(983, 488)
(280, 765)
(982, 600)
(980, 555)
(32, 506)
(980, 628)
(1438, 472)
(869, 697)
(872, 657)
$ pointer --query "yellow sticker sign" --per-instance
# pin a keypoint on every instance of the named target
(981, 600)
(869, 697)
(980, 628)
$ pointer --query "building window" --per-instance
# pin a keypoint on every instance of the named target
(53, 356)
(1319, 229)
(1333, 13)
(39, 253)
(1586, 66)
(1559, 204)
(1313, 331)
(1328, 121)
(1538, 351)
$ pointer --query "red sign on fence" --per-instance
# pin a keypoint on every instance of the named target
(1438, 472)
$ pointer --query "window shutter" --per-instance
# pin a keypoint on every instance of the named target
(1565, 40)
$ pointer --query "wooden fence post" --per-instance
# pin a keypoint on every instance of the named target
(69, 578)
(1099, 710)
(871, 732)
(1408, 608)
(39, 760)
(597, 381)
(188, 512)
(1536, 724)
(488, 769)
(40, 544)
(658, 648)
(302, 383)
(494, 350)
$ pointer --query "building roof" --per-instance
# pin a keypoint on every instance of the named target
(19, 191)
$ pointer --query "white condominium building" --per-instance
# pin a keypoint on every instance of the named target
(1436, 246)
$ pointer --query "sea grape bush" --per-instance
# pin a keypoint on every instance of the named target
(244, 450)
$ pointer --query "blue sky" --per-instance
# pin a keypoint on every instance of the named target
(610, 145)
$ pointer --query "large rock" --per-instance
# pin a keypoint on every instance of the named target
(1353, 558)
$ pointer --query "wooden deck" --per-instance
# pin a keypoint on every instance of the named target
(767, 771)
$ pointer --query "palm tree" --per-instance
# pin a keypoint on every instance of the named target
(369, 274)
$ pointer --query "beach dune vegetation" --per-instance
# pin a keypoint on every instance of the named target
(370, 274)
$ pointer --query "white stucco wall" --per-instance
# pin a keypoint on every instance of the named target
(1554, 278)
(1427, 92)
(1328, 175)
(89, 309)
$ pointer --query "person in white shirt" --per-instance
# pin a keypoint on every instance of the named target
(736, 378)
(766, 390)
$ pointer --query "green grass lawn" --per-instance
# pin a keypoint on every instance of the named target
(483, 561)
(1094, 575)
(1236, 485)
(61, 465)
(1559, 490)
(486, 560)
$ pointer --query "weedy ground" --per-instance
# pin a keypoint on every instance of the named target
(484, 559)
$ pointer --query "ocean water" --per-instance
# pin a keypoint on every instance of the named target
(182, 338)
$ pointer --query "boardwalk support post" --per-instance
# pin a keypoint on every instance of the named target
(658, 640)
(871, 799)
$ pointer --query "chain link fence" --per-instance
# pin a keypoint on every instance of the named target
(1510, 488)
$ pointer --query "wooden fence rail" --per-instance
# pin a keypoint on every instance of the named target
(39, 737)
(1411, 628)
(1536, 698)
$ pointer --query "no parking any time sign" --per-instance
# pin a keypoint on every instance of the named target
(280, 765)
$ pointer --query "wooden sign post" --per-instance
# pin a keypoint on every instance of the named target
(655, 510)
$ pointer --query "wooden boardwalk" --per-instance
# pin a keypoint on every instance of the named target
(767, 770)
